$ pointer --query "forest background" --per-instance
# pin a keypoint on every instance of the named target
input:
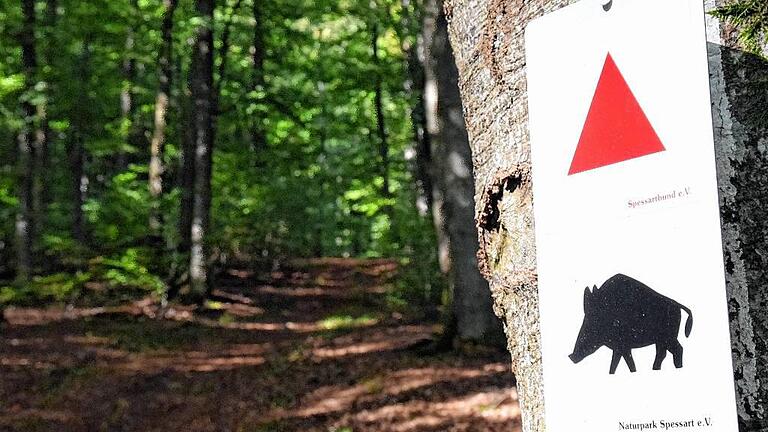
(241, 212)
(149, 145)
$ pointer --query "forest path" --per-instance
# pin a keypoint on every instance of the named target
(310, 348)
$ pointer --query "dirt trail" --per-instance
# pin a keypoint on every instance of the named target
(307, 349)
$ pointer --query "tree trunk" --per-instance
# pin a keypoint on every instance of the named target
(258, 54)
(76, 149)
(452, 172)
(25, 223)
(127, 102)
(24, 228)
(204, 108)
(186, 178)
(432, 130)
(378, 103)
(420, 135)
(41, 190)
(76, 154)
(487, 37)
(739, 89)
(414, 52)
(161, 111)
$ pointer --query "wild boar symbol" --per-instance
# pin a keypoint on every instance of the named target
(625, 313)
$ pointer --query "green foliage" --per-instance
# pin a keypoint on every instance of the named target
(341, 322)
(120, 213)
(122, 276)
(129, 269)
(315, 189)
(57, 287)
(751, 18)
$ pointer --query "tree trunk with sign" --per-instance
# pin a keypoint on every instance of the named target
(488, 42)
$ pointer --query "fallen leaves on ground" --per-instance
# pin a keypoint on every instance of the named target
(307, 348)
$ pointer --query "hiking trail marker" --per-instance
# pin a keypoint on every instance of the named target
(634, 323)
(616, 128)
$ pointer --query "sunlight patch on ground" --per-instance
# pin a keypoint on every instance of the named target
(337, 322)
(338, 398)
(18, 361)
(357, 349)
(190, 362)
(496, 406)
(379, 341)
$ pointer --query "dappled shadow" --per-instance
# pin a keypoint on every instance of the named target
(253, 359)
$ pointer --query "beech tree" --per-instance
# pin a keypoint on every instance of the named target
(452, 184)
(25, 228)
(487, 37)
(203, 112)
(162, 102)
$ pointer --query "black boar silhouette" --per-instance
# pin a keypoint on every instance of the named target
(625, 313)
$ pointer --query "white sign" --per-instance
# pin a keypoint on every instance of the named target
(634, 320)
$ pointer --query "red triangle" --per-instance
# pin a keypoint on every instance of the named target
(616, 128)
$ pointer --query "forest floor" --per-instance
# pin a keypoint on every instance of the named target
(311, 348)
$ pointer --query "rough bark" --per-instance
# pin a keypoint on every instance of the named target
(739, 89)
(204, 100)
(162, 102)
(471, 300)
(487, 37)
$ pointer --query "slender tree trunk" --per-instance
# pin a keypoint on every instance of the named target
(488, 42)
(24, 229)
(162, 102)
(127, 97)
(421, 137)
(204, 101)
(378, 102)
(434, 163)
(40, 192)
(76, 150)
(414, 86)
(76, 154)
(471, 299)
(258, 54)
(186, 179)
(25, 223)
(178, 272)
